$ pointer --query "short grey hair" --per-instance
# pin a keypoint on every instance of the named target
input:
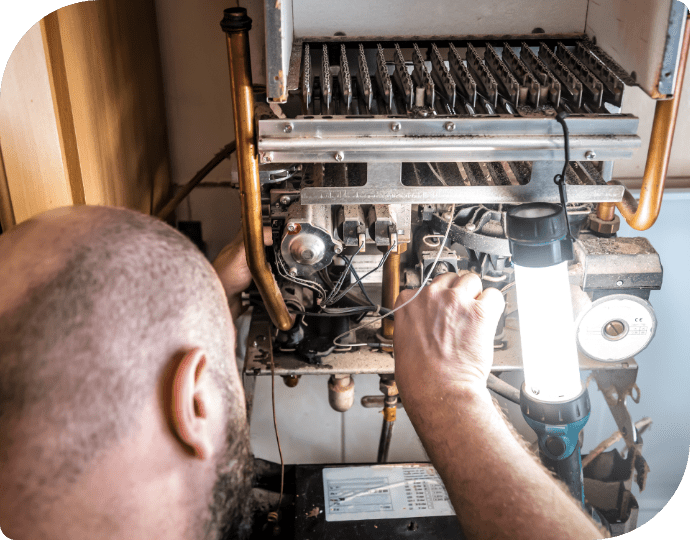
(86, 347)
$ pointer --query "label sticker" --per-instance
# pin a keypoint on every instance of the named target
(384, 492)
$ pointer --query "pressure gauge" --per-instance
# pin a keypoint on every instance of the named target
(616, 327)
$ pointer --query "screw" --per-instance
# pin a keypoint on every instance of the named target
(285, 200)
(338, 249)
(470, 227)
(590, 154)
(619, 283)
(450, 126)
(293, 271)
(395, 126)
(614, 328)
(287, 128)
(291, 227)
(267, 157)
(339, 156)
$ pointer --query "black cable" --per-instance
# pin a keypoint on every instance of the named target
(361, 286)
(338, 285)
(359, 280)
(559, 179)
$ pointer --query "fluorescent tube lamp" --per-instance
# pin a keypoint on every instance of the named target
(540, 251)
(553, 400)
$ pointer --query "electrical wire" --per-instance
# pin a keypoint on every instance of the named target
(361, 286)
(336, 289)
(359, 280)
(305, 282)
(426, 280)
(275, 427)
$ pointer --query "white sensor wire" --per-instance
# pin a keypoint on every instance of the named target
(416, 294)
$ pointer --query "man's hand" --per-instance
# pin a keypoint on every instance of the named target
(443, 345)
(232, 269)
(445, 336)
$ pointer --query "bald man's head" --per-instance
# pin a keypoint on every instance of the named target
(94, 304)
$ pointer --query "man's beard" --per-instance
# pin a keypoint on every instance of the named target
(231, 507)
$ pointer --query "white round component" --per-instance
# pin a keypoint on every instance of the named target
(616, 327)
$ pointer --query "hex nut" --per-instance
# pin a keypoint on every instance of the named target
(601, 226)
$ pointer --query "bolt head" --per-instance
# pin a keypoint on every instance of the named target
(287, 128)
(590, 155)
(338, 249)
(470, 227)
(619, 283)
(267, 157)
(293, 271)
(291, 227)
(395, 126)
(339, 156)
(450, 126)
(285, 200)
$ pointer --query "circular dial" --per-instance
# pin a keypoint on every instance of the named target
(616, 327)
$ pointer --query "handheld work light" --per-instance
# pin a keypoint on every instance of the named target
(553, 400)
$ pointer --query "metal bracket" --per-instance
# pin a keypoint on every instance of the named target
(616, 387)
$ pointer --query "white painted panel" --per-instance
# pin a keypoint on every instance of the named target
(310, 431)
(363, 429)
(633, 32)
(441, 17)
(636, 102)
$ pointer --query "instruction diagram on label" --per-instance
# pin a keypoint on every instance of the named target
(384, 492)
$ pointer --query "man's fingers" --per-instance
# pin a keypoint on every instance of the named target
(444, 281)
(268, 236)
(403, 297)
(470, 285)
(491, 303)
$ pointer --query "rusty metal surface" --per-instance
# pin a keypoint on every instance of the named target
(619, 263)
(278, 21)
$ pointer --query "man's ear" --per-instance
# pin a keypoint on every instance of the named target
(190, 399)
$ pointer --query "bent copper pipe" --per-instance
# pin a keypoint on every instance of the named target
(642, 215)
(236, 25)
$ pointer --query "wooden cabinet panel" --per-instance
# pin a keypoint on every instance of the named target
(97, 135)
(28, 132)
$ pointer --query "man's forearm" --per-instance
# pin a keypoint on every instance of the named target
(498, 489)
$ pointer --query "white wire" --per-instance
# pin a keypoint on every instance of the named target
(429, 237)
(416, 294)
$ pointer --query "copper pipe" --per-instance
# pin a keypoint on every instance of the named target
(185, 190)
(236, 25)
(390, 288)
(642, 215)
